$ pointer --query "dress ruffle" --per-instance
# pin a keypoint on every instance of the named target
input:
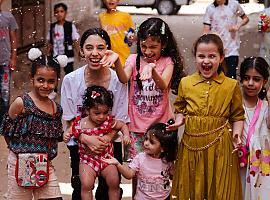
(33, 121)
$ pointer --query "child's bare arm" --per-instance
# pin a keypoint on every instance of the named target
(162, 81)
(127, 172)
(16, 108)
(179, 121)
(13, 45)
(123, 74)
(237, 129)
(119, 125)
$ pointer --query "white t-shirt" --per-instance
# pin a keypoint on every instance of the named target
(222, 17)
(73, 88)
(58, 39)
(153, 177)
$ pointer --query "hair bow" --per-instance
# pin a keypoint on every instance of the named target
(95, 94)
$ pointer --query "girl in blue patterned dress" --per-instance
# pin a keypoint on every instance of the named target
(33, 125)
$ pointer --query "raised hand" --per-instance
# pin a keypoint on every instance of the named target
(110, 160)
(109, 58)
(147, 71)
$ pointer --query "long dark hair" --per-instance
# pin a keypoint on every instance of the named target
(156, 27)
(261, 67)
(168, 140)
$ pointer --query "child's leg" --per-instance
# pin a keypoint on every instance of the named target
(87, 177)
(110, 174)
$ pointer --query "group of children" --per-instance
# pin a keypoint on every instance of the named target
(103, 106)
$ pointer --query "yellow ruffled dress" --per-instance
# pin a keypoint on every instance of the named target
(205, 167)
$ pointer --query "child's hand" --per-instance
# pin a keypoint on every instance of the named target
(109, 58)
(179, 121)
(126, 139)
(111, 160)
(236, 141)
(147, 71)
(106, 138)
(131, 38)
(67, 135)
(233, 28)
(96, 144)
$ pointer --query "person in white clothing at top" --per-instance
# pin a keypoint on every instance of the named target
(221, 17)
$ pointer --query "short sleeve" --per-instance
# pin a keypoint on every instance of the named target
(13, 24)
(135, 163)
(180, 102)
(69, 108)
(206, 17)
(75, 34)
(237, 111)
(239, 12)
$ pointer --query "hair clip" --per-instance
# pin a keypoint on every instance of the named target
(162, 29)
(34, 53)
(95, 94)
(62, 60)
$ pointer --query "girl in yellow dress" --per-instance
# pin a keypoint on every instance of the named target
(210, 106)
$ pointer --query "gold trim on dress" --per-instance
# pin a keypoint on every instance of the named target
(204, 134)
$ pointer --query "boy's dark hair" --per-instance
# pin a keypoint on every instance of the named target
(45, 61)
(225, 3)
(157, 28)
(95, 95)
(260, 65)
(168, 141)
(96, 31)
(210, 38)
(58, 5)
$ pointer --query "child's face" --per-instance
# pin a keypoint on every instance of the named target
(151, 49)
(111, 4)
(151, 145)
(44, 81)
(252, 83)
(94, 49)
(60, 14)
(98, 114)
(208, 59)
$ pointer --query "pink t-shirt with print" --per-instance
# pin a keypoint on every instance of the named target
(153, 177)
(150, 105)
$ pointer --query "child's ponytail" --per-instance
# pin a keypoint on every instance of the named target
(138, 63)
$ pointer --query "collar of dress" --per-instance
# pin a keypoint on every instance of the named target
(197, 78)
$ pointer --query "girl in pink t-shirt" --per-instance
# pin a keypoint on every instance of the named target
(155, 69)
(154, 166)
